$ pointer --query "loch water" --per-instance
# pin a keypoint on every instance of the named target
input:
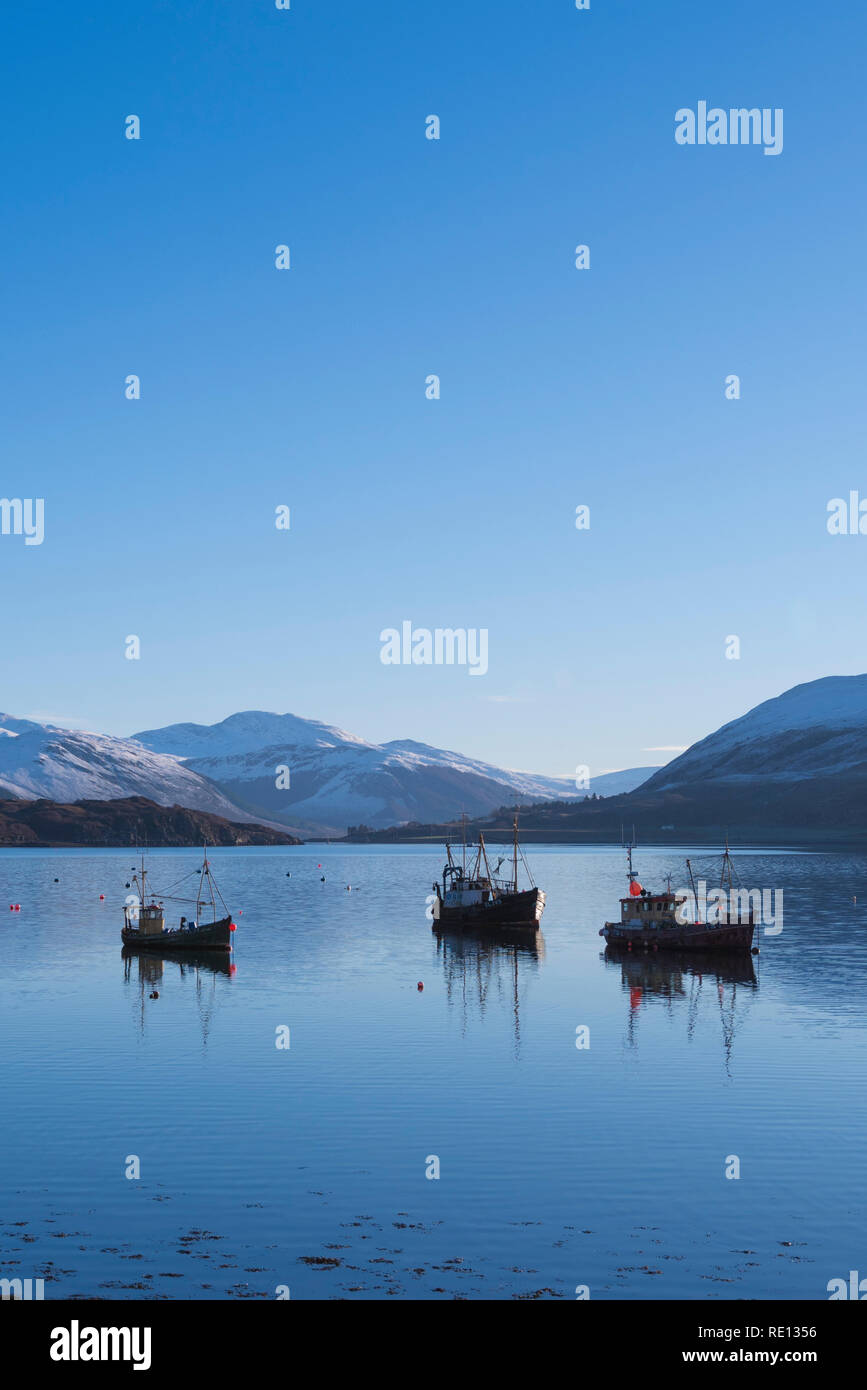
(305, 1167)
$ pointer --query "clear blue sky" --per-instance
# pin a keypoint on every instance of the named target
(411, 257)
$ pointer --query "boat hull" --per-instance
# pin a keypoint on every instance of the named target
(693, 936)
(215, 936)
(508, 912)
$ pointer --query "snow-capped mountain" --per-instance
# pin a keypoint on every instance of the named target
(818, 729)
(336, 779)
(231, 769)
(40, 760)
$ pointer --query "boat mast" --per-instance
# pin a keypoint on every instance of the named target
(206, 874)
(726, 867)
(515, 853)
(483, 853)
(692, 884)
(631, 874)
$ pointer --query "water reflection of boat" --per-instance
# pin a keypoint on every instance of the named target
(482, 966)
(197, 966)
(684, 981)
(151, 966)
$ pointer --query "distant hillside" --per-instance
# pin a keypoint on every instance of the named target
(814, 731)
(65, 765)
(791, 771)
(299, 775)
(335, 778)
(661, 819)
(133, 820)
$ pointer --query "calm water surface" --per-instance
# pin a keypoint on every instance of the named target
(306, 1167)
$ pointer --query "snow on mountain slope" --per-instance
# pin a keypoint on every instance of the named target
(336, 779)
(618, 783)
(818, 729)
(40, 760)
(247, 732)
(231, 769)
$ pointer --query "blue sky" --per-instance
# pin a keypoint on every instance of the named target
(409, 257)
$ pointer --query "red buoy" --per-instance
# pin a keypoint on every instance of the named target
(102, 897)
(421, 984)
(232, 927)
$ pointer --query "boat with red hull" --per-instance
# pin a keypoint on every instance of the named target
(660, 921)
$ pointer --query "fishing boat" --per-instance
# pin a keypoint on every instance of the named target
(145, 928)
(473, 897)
(664, 921)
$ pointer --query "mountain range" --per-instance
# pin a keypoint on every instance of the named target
(329, 779)
(793, 770)
(797, 762)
